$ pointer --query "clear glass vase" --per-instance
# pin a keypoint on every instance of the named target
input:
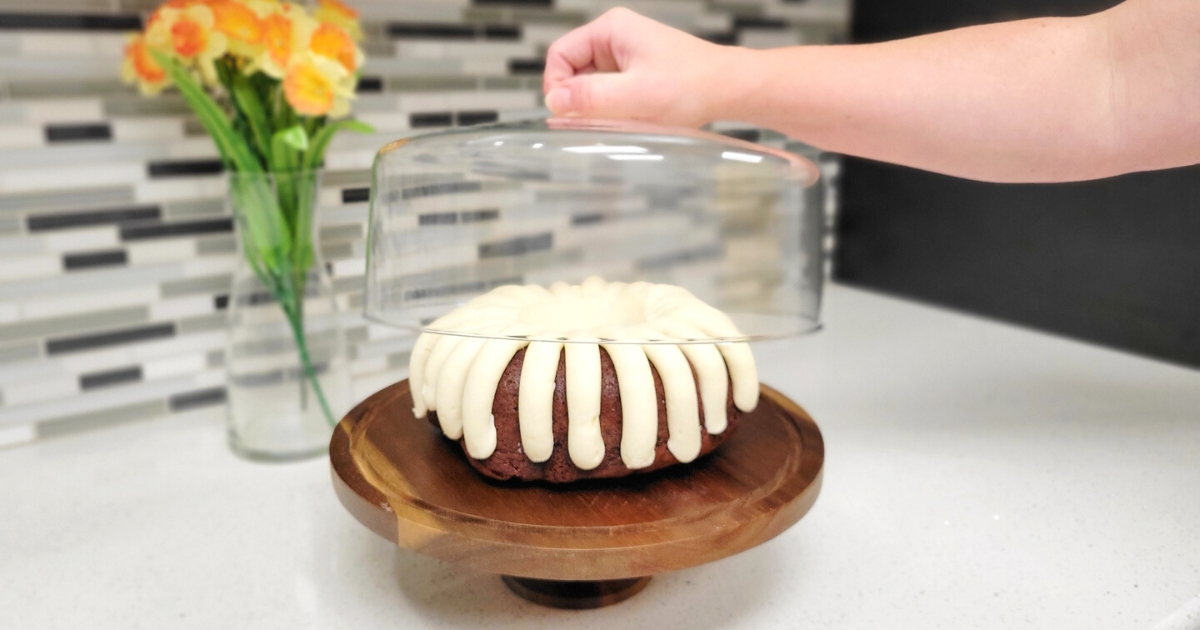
(287, 373)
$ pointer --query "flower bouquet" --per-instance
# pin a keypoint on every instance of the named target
(270, 81)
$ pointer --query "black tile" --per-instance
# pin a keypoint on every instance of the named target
(43, 222)
(196, 399)
(110, 377)
(466, 119)
(437, 218)
(370, 84)
(110, 338)
(749, 135)
(478, 216)
(142, 231)
(69, 22)
(460, 289)
(517, 246)
(433, 190)
(748, 21)
(430, 119)
(430, 30)
(502, 31)
(78, 133)
(356, 195)
(524, 3)
(74, 262)
(221, 302)
(724, 39)
(586, 219)
(176, 168)
(526, 66)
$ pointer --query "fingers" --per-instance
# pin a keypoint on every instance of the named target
(601, 95)
(588, 48)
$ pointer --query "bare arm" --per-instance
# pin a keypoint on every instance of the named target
(1028, 101)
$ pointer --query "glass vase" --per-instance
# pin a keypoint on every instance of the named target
(287, 372)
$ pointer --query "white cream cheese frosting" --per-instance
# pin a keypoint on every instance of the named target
(457, 376)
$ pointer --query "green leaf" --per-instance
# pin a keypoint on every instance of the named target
(293, 136)
(246, 97)
(321, 139)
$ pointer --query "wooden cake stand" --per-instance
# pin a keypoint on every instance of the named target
(585, 544)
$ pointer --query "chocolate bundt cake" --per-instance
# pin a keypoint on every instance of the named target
(583, 381)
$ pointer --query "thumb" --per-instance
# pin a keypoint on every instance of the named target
(597, 95)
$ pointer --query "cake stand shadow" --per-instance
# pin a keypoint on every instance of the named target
(580, 545)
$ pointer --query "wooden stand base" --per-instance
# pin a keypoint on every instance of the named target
(575, 595)
(579, 545)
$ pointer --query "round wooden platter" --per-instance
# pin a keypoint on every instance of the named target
(584, 544)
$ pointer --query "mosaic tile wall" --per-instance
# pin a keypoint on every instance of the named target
(115, 246)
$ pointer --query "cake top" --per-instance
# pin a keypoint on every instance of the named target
(457, 365)
(594, 311)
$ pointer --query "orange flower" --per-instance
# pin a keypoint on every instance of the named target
(236, 21)
(336, 13)
(139, 67)
(318, 86)
(287, 30)
(329, 40)
(187, 31)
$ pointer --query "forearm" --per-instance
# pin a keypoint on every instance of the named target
(1020, 101)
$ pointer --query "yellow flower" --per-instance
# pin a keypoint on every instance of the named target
(287, 30)
(329, 40)
(318, 86)
(338, 14)
(186, 29)
(139, 67)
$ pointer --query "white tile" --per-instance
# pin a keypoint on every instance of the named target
(366, 385)
(21, 137)
(351, 159)
(181, 307)
(24, 267)
(767, 38)
(544, 34)
(148, 129)
(74, 302)
(369, 366)
(63, 110)
(105, 237)
(174, 366)
(73, 176)
(180, 189)
(386, 121)
(485, 66)
(209, 266)
(350, 267)
(9, 313)
(199, 147)
(161, 250)
(97, 399)
(40, 390)
(17, 434)
(50, 44)
(468, 50)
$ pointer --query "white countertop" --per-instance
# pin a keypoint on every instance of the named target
(977, 475)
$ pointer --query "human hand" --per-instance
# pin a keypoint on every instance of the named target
(626, 66)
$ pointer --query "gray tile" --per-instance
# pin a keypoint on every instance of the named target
(73, 324)
(217, 244)
(9, 225)
(352, 232)
(85, 282)
(400, 359)
(57, 89)
(337, 251)
(379, 48)
(20, 351)
(411, 67)
(550, 16)
(78, 199)
(355, 335)
(356, 301)
(102, 418)
(503, 83)
(10, 44)
(348, 284)
(216, 359)
(429, 84)
(203, 323)
(345, 179)
(133, 104)
(195, 209)
(193, 286)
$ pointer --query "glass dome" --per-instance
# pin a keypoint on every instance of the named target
(459, 213)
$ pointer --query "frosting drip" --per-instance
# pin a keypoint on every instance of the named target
(457, 376)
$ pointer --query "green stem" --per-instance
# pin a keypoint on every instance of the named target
(292, 308)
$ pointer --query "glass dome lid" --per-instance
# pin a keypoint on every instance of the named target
(584, 230)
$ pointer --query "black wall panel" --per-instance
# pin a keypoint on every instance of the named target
(1115, 261)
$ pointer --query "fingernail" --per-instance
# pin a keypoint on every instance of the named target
(558, 100)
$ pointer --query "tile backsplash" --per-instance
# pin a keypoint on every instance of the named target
(116, 247)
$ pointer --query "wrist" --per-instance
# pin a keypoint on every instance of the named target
(740, 78)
